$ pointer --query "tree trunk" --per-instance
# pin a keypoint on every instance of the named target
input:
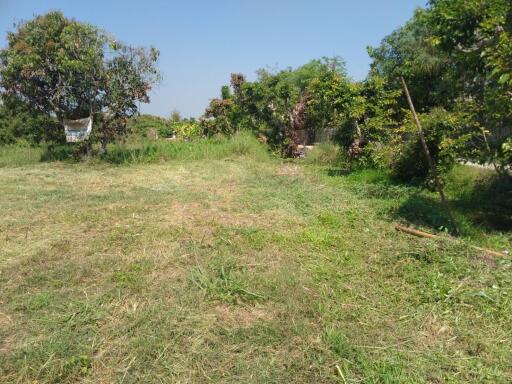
(103, 148)
(88, 149)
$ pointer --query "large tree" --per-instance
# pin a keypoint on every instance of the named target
(70, 69)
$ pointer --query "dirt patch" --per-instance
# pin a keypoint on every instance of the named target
(240, 316)
(169, 274)
(290, 170)
(435, 331)
(197, 215)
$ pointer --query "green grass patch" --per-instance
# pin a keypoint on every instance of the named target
(16, 156)
(239, 267)
(480, 200)
(243, 144)
(140, 151)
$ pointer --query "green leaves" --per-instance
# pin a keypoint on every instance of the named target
(504, 79)
(48, 62)
(64, 67)
(456, 55)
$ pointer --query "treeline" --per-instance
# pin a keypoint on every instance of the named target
(291, 107)
(456, 57)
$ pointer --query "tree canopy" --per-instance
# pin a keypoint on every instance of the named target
(456, 55)
(293, 106)
(69, 69)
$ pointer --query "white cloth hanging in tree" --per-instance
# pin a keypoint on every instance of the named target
(77, 130)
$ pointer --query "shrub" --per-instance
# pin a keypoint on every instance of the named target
(376, 156)
(166, 130)
(18, 123)
(186, 130)
(445, 143)
(327, 154)
(149, 125)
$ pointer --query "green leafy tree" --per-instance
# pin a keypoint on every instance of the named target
(409, 52)
(455, 55)
(217, 117)
(278, 104)
(330, 94)
(69, 69)
(376, 106)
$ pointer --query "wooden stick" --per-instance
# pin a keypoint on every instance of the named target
(431, 164)
(415, 232)
(340, 372)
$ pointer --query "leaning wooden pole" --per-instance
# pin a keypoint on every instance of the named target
(431, 164)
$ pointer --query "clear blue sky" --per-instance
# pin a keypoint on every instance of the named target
(203, 41)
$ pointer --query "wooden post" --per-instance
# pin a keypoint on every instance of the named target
(431, 164)
(489, 151)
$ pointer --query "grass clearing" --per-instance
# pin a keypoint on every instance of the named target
(237, 267)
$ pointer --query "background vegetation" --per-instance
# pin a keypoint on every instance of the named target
(183, 250)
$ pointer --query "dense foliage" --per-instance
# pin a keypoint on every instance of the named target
(455, 56)
(292, 107)
(149, 126)
(18, 123)
(155, 127)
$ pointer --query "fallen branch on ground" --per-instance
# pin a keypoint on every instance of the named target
(415, 232)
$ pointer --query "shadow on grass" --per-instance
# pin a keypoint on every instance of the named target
(428, 211)
(423, 210)
(481, 200)
(338, 172)
(57, 153)
(487, 204)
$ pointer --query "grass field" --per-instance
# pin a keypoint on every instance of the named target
(236, 267)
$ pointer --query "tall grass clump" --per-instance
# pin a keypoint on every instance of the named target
(141, 151)
(242, 144)
(327, 154)
(19, 155)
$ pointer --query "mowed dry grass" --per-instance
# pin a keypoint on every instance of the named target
(233, 271)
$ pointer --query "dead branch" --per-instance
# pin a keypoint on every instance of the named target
(415, 232)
